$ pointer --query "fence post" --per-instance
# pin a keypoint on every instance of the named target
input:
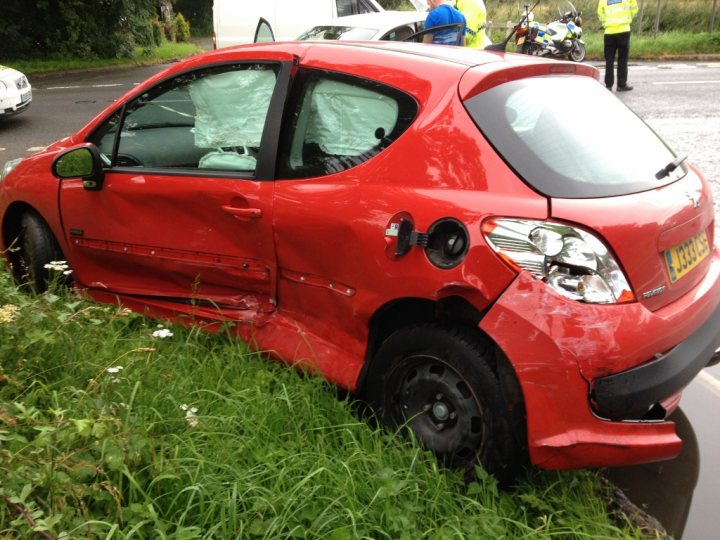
(712, 16)
(657, 18)
(640, 17)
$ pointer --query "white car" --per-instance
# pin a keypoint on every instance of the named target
(15, 92)
(383, 25)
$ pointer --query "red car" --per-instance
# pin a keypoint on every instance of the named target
(490, 248)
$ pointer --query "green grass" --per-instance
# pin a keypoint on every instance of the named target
(667, 46)
(196, 437)
(166, 52)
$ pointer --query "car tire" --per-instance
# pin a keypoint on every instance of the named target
(38, 247)
(438, 382)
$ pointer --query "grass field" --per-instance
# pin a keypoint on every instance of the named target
(114, 426)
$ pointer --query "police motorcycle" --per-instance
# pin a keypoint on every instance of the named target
(559, 38)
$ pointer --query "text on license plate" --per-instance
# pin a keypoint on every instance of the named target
(684, 257)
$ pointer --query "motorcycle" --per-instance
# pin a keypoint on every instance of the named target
(559, 38)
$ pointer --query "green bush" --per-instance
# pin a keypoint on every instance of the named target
(182, 28)
(142, 32)
(157, 30)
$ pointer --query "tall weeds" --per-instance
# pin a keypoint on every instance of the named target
(114, 427)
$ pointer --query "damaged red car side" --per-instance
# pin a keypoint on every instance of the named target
(425, 226)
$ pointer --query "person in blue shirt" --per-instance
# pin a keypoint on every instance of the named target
(441, 13)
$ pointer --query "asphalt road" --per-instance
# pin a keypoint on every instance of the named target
(680, 101)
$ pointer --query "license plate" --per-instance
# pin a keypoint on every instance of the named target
(681, 259)
(25, 97)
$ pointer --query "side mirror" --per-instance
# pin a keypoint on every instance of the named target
(84, 162)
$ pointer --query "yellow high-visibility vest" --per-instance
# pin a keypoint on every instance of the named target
(616, 15)
(476, 18)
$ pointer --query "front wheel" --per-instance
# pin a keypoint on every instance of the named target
(38, 247)
(438, 383)
(577, 54)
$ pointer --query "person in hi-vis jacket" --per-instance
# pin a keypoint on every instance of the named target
(615, 17)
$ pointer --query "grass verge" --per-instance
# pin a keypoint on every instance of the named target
(167, 52)
(666, 46)
(112, 426)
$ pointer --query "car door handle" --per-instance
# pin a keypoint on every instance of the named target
(250, 213)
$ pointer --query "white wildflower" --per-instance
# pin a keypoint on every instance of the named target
(190, 415)
(9, 313)
(162, 333)
(58, 266)
(116, 369)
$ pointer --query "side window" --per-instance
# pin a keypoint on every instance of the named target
(399, 34)
(339, 122)
(345, 7)
(353, 7)
(212, 119)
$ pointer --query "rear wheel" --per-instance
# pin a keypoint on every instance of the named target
(38, 247)
(438, 383)
(533, 49)
(577, 54)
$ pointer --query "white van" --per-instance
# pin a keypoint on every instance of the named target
(249, 21)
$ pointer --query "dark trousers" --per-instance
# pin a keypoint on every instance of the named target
(620, 44)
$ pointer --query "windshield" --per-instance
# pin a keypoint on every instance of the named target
(568, 137)
(338, 32)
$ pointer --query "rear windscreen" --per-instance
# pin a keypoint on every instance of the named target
(568, 137)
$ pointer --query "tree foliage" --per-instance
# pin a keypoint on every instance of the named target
(78, 28)
(198, 13)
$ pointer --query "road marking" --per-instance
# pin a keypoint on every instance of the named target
(2, 149)
(711, 382)
(36, 149)
(685, 82)
(82, 86)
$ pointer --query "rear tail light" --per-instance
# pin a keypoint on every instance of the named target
(571, 261)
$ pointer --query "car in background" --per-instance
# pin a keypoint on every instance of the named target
(420, 224)
(255, 21)
(15, 92)
(383, 25)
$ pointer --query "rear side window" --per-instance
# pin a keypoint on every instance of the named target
(337, 122)
(568, 137)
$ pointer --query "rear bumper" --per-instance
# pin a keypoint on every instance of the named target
(574, 354)
(633, 392)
